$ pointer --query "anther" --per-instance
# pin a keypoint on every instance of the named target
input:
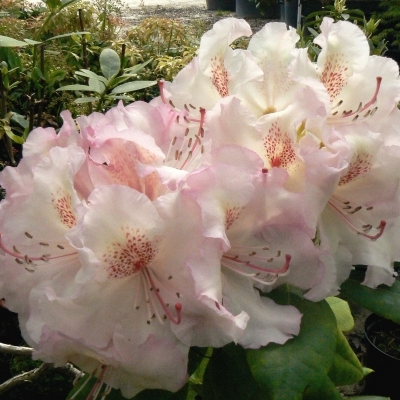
(171, 104)
(381, 228)
(60, 247)
(28, 235)
(178, 306)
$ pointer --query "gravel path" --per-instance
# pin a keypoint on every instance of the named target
(184, 12)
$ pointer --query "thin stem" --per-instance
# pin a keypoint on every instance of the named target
(26, 376)
(20, 350)
(84, 50)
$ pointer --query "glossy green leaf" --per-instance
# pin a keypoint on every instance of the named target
(6, 41)
(132, 86)
(198, 361)
(19, 119)
(384, 300)
(14, 137)
(110, 63)
(228, 376)
(346, 369)
(299, 369)
(342, 313)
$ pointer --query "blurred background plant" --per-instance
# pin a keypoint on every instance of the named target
(389, 29)
(338, 11)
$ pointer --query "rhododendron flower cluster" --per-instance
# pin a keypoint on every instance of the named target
(130, 236)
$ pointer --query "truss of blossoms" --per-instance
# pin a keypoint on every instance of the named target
(218, 216)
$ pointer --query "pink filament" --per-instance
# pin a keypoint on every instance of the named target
(22, 257)
(372, 101)
(262, 269)
(178, 306)
(381, 226)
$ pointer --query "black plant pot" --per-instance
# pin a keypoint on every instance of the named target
(222, 5)
(247, 9)
(384, 381)
(291, 8)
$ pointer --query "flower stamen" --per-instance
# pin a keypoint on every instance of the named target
(27, 260)
(178, 306)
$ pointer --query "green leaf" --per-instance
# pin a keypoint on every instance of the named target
(89, 74)
(342, 313)
(6, 41)
(82, 100)
(52, 4)
(369, 398)
(132, 86)
(136, 68)
(20, 120)
(228, 376)
(31, 42)
(346, 369)
(13, 137)
(82, 88)
(56, 75)
(384, 300)
(299, 369)
(96, 85)
(110, 63)
(38, 73)
(66, 3)
(158, 394)
(68, 35)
